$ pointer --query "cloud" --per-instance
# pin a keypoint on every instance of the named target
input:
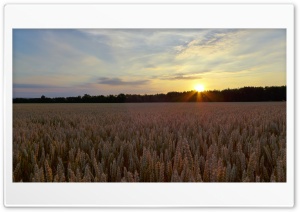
(214, 37)
(117, 81)
(179, 77)
(159, 59)
(227, 51)
(32, 86)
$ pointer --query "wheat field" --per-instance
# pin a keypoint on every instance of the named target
(150, 142)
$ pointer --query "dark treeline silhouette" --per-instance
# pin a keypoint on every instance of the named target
(245, 94)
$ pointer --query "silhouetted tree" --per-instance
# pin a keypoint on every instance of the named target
(245, 94)
(121, 98)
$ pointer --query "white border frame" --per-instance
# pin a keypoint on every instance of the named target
(147, 16)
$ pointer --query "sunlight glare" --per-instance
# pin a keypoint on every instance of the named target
(199, 88)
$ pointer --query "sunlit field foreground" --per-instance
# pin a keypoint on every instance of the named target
(150, 142)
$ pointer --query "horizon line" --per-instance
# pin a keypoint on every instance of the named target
(194, 90)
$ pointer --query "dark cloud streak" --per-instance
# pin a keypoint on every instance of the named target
(174, 77)
(181, 77)
(32, 86)
(118, 81)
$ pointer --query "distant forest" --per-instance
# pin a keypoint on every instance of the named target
(245, 94)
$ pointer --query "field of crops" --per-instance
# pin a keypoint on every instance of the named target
(149, 142)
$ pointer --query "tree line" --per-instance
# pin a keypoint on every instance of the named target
(245, 94)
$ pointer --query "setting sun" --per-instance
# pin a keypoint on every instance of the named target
(199, 88)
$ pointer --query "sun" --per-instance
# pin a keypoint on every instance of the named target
(199, 87)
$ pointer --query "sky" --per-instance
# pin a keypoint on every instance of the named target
(73, 62)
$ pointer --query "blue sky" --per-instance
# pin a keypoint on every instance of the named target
(72, 62)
